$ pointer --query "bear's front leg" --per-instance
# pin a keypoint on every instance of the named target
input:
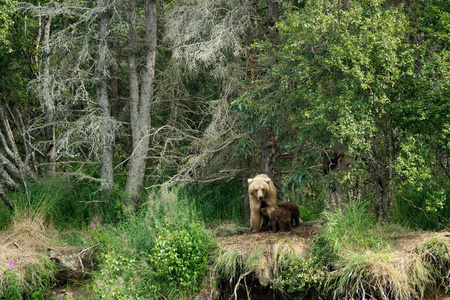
(256, 222)
(255, 218)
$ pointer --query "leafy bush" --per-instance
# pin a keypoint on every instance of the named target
(178, 260)
(160, 253)
(302, 276)
(118, 278)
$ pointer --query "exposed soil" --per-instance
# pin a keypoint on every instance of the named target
(248, 241)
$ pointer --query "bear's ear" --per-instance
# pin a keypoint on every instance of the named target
(250, 180)
(267, 180)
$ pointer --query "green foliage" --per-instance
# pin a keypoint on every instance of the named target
(216, 202)
(11, 288)
(301, 276)
(162, 252)
(354, 227)
(178, 261)
(373, 77)
(415, 209)
(6, 10)
(118, 278)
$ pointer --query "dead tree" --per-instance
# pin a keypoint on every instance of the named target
(141, 96)
(15, 166)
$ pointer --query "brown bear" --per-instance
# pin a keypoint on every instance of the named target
(295, 212)
(279, 218)
(261, 193)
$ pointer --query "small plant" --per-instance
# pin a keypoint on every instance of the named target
(11, 288)
(118, 278)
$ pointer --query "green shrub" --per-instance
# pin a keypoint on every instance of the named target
(118, 278)
(178, 261)
(160, 253)
(301, 276)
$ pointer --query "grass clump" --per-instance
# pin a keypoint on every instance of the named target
(229, 264)
(381, 275)
(363, 262)
(29, 273)
(354, 227)
(434, 253)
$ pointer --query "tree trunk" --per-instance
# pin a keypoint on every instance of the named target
(101, 89)
(140, 104)
(48, 101)
(267, 165)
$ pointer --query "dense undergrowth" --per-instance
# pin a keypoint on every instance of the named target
(165, 250)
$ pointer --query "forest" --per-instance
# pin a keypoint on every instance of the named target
(129, 130)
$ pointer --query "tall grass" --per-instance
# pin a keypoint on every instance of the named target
(365, 263)
(354, 227)
(30, 232)
(217, 202)
(66, 205)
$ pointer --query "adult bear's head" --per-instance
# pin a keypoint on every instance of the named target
(259, 186)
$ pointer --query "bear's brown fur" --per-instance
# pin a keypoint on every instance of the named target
(295, 212)
(261, 193)
(279, 218)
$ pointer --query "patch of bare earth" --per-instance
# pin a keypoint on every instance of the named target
(265, 240)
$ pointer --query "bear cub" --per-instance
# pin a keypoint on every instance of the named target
(279, 218)
(295, 212)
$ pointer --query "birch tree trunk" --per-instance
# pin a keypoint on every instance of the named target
(140, 101)
(101, 89)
